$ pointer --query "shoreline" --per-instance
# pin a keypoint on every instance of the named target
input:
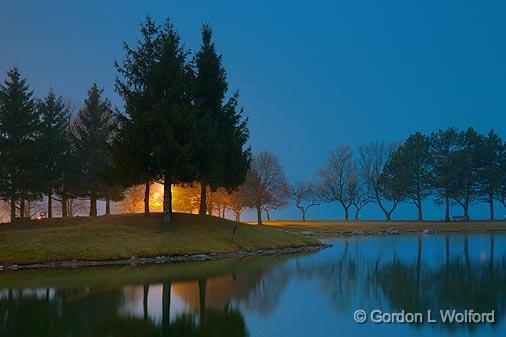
(326, 234)
(161, 259)
(347, 228)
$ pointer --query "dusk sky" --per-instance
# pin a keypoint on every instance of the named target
(311, 75)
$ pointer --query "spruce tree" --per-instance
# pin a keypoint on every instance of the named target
(491, 155)
(466, 163)
(53, 141)
(94, 132)
(210, 89)
(444, 145)
(222, 160)
(21, 179)
(134, 144)
(416, 161)
(68, 186)
(174, 117)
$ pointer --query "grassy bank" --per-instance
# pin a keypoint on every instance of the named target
(61, 278)
(330, 227)
(123, 236)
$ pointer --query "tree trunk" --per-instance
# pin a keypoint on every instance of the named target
(380, 204)
(466, 212)
(356, 213)
(491, 203)
(167, 200)
(237, 216)
(146, 196)
(418, 265)
(492, 244)
(303, 215)
(145, 301)
(447, 209)
(166, 305)
(107, 207)
(64, 201)
(466, 255)
(447, 255)
(49, 206)
(420, 214)
(70, 205)
(346, 213)
(203, 198)
(93, 205)
(202, 299)
(13, 210)
(268, 215)
(22, 209)
(259, 215)
(223, 212)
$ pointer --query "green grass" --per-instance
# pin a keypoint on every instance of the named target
(123, 236)
(333, 227)
(61, 278)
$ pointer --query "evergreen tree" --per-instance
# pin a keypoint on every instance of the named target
(134, 144)
(94, 132)
(491, 155)
(501, 194)
(466, 164)
(210, 89)
(444, 145)
(235, 135)
(69, 183)
(392, 182)
(221, 157)
(21, 178)
(417, 169)
(174, 118)
(53, 142)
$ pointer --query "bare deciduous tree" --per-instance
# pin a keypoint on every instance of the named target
(133, 201)
(304, 195)
(360, 194)
(266, 183)
(372, 159)
(239, 200)
(336, 178)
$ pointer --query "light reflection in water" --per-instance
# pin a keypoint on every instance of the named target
(292, 296)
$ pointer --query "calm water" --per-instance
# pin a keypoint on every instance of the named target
(310, 295)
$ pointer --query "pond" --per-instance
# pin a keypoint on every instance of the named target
(304, 295)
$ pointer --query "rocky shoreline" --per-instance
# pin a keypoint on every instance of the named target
(135, 260)
(394, 231)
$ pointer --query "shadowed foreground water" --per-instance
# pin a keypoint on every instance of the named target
(312, 295)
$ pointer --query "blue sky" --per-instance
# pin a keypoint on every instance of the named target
(311, 74)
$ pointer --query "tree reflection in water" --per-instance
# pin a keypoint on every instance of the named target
(216, 305)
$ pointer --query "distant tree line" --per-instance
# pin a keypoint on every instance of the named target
(451, 166)
(178, 125)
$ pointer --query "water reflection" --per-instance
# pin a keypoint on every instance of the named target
(249, 297)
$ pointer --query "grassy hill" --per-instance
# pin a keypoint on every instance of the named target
(123, 236)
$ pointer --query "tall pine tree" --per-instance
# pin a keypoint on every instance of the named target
(53, 141)
(134, 144)
(444, 145)
(491, 155)
(94, 132)
(221, 157)
(210, 89)
(174, 116)
(21, 179)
